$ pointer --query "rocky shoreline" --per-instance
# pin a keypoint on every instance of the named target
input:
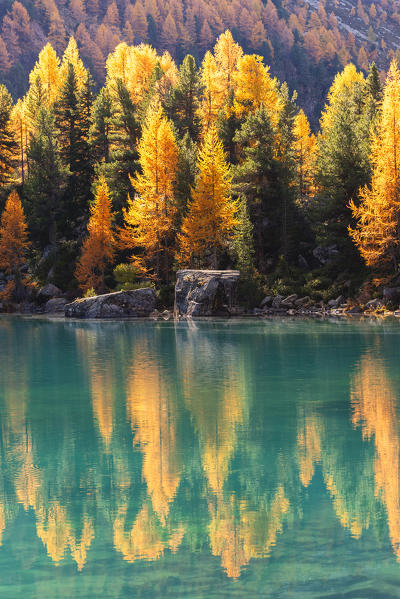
(200, 294)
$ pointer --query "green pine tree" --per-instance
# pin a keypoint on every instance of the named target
(124, 135)
(46, 182)
(183, 101)
(100, 131)
(73, 120)
(260, 179)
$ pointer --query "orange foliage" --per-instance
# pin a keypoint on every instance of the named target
(98, 247)
(13, 236)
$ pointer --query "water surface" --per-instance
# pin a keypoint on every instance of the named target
(199, 460)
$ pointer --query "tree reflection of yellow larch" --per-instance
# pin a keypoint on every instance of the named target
(147, 539)
(216, 410)
(101, 376)
(238, 533)
(151, 406)
(374, 408)
(309, 446)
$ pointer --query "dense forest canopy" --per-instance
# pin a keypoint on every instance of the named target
(306, 43)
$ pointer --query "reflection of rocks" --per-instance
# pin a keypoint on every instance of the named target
(136, 303)
(205, 292)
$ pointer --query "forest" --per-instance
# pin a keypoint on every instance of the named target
(306, 43)
(209, 164)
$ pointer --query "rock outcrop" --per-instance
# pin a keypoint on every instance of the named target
(121, 304)
(205, 292)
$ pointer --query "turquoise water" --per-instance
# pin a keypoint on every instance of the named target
(199, 460)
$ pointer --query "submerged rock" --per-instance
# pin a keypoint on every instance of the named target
(135, 303)
(205, 292)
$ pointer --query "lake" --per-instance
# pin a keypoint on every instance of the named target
(214, 459)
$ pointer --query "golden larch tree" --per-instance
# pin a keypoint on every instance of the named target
(377, 231)
(20, 127)
(149, 218)
(71, 56)
(13, 242)
(98, 247)
(255, 86)
(212, 91)
(227, 53)
(304, 152)
(210, 221)
(117, 64)
(46, 74)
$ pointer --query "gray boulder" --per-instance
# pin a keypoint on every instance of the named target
(205, 292)
(277, 301)
(289, 300)
(49, 291)
(325, 254)
(302, 301)
(121, 304)
(56, 304)
(267, 301)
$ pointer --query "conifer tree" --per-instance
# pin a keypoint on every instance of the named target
(304, 154)
(342, 165)
(377, 232)
(100, 131)
(20, 129)
(254, 87)
(46, 181)
(183, 103)
(98, 246)
(243, 242)
(8, 145)
(212, 101)
(227, 53)
(13, 241)
(210, 221)
(123, 137)
(73, 120)
(185, 174)
(46, 75)
(71, 57)
(5, 62)
(258, 178)
(150, 215)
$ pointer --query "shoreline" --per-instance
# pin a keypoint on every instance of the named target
(273, 316)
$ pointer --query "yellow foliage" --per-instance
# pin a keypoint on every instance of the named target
(20, 127)
(227, 53)
(341, 88)
(304, 151)
(117, 64)
(150, 215)
(212, 101)
(71, 56)
(374, 408)
(377, 231)
(210, 221)
(142, 60)
(255, 86)
(46, 73)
